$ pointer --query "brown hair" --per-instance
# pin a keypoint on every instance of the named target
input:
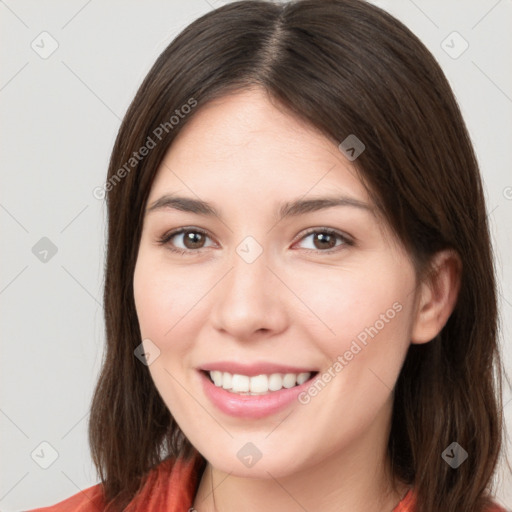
(346, 67)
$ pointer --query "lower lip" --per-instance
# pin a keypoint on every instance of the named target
(251, 406)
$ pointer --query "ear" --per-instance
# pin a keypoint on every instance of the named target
(436, 296)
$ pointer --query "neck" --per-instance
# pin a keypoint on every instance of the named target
(355, 479)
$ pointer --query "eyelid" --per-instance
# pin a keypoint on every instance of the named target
(166, 238)
(347, 240)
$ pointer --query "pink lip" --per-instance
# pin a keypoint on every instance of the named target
(251, 406)
(253, 369)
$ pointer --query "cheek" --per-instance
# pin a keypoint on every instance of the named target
(161, 302)
(363, 364)
(169, 308)
(369, 313)
(361, 303)
(152, 300)
(161, 297)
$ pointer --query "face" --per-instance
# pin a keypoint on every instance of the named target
(301, 316)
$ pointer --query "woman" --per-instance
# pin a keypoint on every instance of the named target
(300, 296)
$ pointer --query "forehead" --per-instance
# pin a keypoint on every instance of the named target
(246, 141)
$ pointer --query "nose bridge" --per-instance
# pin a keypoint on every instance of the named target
(249, 275)
(249, 297)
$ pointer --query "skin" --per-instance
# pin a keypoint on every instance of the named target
(246, 156)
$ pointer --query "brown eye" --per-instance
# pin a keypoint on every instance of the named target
(326, 240)
(185, 240)
(193, 239)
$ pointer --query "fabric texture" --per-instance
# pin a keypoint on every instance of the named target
(170, 487)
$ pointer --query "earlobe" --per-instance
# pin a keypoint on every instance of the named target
(437, 296)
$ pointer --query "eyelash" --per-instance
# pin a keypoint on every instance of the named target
(165, 239)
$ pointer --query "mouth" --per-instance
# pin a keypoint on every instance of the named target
(254, 392)
(262, 384)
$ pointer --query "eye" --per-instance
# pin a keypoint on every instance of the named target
(192, 239)
(325, 240)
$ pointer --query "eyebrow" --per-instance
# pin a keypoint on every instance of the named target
(288, 209)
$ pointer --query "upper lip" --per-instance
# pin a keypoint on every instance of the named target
(252, 369)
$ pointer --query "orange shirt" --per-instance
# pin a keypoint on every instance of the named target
(169, 488)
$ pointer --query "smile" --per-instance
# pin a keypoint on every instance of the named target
(253, 391)
(259, 384)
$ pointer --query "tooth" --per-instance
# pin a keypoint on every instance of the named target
(240, 383)
(227, 379)
(259, 384)
(216, 376)
(275, 382)
(303, 377)
(289, 380)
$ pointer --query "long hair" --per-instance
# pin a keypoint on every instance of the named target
(346, 67)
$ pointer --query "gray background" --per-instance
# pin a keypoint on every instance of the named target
(59, 117)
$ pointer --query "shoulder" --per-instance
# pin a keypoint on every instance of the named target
(171, 486)
(168, 486)
(88, 500)
(408, 504)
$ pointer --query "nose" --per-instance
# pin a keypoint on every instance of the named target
(250, 300)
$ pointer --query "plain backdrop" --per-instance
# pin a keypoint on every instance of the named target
(69, 70)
